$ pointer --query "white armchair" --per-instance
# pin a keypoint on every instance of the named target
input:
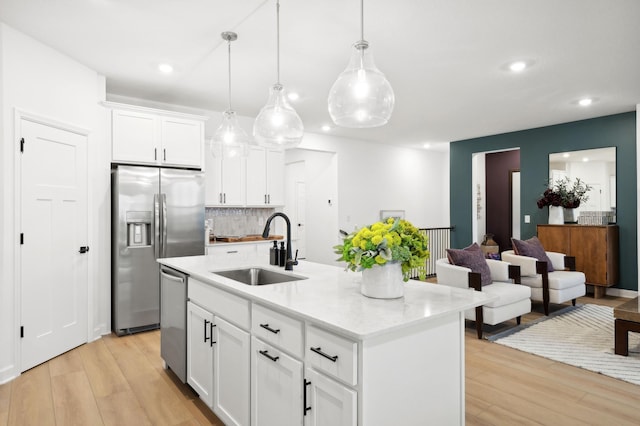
(512, 301)
(559, 286)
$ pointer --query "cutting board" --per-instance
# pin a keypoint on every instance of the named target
(246, 238)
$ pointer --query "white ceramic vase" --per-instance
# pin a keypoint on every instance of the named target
(556, 215)
(383, 282)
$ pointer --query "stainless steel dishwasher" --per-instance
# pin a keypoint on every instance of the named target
(173, 320)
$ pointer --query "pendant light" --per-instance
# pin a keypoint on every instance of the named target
(361, 96)
(278, 125)
(230, 140)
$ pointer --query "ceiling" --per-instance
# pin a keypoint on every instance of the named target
(445, 59)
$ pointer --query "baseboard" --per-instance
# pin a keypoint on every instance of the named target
(618, 292)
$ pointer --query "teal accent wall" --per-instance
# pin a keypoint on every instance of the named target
(535, 146)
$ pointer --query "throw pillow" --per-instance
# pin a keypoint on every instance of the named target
(532, 248)
(471, 257)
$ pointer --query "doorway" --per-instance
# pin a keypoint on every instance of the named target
(496, 192)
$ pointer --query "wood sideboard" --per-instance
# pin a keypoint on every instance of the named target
(594, 247)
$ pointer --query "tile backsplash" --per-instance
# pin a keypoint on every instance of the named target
(237, 221)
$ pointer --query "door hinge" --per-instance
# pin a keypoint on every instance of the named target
(21, 331)
(21, 238)
(21, 144)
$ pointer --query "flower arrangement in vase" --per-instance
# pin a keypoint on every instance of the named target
(565, 194)
(382, 243)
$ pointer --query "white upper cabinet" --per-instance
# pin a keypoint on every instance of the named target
(224, 181)
(149, 136)
(182, 141)
(265, 177)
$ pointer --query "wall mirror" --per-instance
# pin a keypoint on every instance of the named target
(596, 167)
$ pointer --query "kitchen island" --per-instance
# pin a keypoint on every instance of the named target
(315, 350)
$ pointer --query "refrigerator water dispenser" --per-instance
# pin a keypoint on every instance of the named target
(138, 228)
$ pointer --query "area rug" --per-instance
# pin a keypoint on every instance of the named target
(582, 336)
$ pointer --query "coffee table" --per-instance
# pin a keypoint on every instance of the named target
(627, 318)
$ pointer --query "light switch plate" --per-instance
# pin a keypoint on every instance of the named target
(527, 218)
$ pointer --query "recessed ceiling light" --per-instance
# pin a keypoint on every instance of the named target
(426, 145)
(585, 159)
(165, 68)
(518, 66)
(566, 155)
(585, 101)
(293, 96)
(326, 128)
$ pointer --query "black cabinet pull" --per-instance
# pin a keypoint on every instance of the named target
(83, 249)
(211, 325)
(304, 398)
(205, 331)
(318, 350)
(272, 358)
(266, 327)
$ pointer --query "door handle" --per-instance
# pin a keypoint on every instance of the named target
(83, 249)
(163, 202)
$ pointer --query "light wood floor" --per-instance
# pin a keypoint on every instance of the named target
(120, 381)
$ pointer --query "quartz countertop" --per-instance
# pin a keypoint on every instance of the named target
(331, 297)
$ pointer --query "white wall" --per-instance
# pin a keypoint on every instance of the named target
(374, 177)
(321, 224)
(36, 79)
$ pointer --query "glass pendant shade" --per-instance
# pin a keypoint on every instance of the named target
(278, 125)
(361, 96)
(230, 140)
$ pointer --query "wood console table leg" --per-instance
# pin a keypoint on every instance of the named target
(599, 291)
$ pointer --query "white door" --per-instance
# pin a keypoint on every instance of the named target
(296, 205)
(54, 273)
(231, 365)
(200, 351)
(329, 403)
(276, 387)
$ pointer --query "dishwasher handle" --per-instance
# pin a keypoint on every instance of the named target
(172, 277)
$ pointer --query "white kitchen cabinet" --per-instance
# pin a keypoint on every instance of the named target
(149, 136)
(276, 386)
(265, 177)
(182, 142)
(348, 378)
(230, 358)
(200, 328)
(224, 181)
(231, 401)
(231, 251)
(329, 403)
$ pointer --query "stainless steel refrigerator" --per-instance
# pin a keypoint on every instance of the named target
(156, 212)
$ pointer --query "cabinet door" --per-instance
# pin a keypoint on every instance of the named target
(256, 177)
(182, 142)
(212, 180)
(276, 386)
(224, 181)
(275, 177)
(329, 403)
(233, 181)
(231, 373)
(134, 137)
(200, 351)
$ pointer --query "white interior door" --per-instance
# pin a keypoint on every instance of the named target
(54, 273)
(296, 205)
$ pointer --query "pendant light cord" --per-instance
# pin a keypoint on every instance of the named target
(278, 38)
(229, 56)
(361, 19)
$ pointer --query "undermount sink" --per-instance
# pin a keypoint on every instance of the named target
(258, 276)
